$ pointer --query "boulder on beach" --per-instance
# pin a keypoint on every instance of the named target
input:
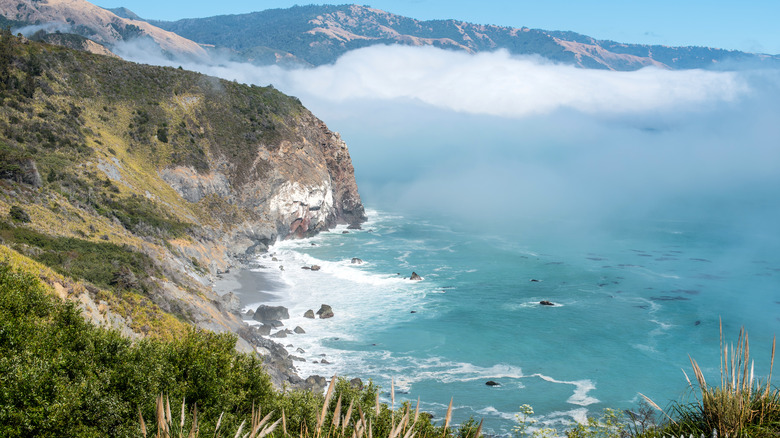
(415, 277)
(262, 329)
(356, 261)
(325, 311)
(546, 303)
(309, 314)
(299, 330)
(270, 313)
(229, 303)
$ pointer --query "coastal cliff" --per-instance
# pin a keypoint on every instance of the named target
(139, 185)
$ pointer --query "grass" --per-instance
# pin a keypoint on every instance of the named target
(741, 405)
(331, 422)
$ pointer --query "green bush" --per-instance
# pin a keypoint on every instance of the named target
(62, 376)
(18, 214)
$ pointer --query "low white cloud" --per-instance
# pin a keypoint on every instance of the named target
(495, 139)
(493, 83)
(503, 85)
(51, 27)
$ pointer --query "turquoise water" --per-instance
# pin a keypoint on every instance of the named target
(632, 301)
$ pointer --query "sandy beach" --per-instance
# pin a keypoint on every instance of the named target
(252, 286)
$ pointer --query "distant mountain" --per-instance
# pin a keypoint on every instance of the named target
(125, 13)
(95, 23)
(319, 34)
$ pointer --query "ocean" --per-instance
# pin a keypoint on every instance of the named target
(629, 306)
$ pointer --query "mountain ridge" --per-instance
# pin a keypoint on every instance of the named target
(319, 34)
(99, 25)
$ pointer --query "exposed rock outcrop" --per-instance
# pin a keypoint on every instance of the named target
(266, 313)
(325, 312)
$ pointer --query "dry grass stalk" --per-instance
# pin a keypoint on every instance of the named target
(738, 402)
(336, 415)
(168, 415)
(392, 393)
(347, 417)
(448, 417)
(194, 429)
(181, 423)
(323, 413)
(240, 429)
(143, 424)
(219, 422)
(479, 429)
(376, 405)
(284, 423)
(266, 430)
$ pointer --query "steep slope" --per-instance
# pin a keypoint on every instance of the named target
(142, 183)
(319, 34)
(95, 23)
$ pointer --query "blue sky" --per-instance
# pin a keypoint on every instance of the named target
(749, 25)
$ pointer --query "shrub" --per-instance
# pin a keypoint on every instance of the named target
(18, 214)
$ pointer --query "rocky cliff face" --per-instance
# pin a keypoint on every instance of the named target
(173, 175)
(302, 185)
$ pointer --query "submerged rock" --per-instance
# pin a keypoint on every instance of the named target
(325, 311)
(546, 303)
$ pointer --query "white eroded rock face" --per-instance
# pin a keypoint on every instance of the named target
(302, 206)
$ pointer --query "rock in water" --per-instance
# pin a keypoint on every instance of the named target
(415, 277)
(492, 383)
(270, 313)
(299, 330)
(356, 383)
(325, 311)
(309, 314)
(546, 303)
(356, 261)
(315, 267)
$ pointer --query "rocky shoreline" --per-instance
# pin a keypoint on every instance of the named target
(244, 286)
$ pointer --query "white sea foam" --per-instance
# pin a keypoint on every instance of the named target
(581, 389)
(490, 411)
